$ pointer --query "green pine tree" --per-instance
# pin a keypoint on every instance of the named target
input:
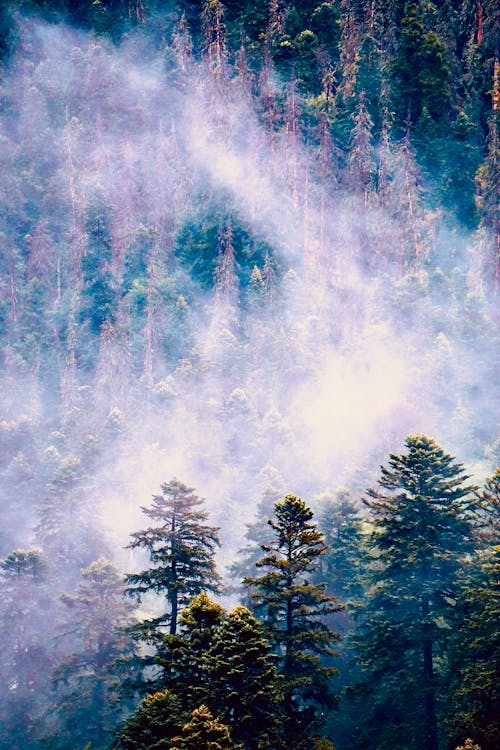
(473, 672)
(182, 657)
(157, 720)
(421, 531)
(181, 547)
(294, 609)
(242, 679)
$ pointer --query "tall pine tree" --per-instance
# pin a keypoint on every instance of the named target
(294, 609)
(421, 531)
(181, 547)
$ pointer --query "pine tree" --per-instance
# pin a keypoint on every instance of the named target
(473, 670)
(339, 519)
(473, 673)
(293, 610)
(157, 720)
(95, 627)
(226, 282)
(488, 516)
(25, 658)
(243, 685)
(420, 70)
(182, 657)
(214, 33)
(258, 533)
(181, 548)
(421, 531)
(66, 519)
(361, 156)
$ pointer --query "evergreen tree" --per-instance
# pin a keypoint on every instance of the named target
(181, 547)
(25, 657)
(88, 705)
(64, 525)
(157, 720)
(243, 685)
(362, 156)
(473, 673)
(182, 657)
(421, 531)
(98, 297)
(339, 519)
(258, 533)
(294, 609)
(420, 70)
(473, 670)
(488, 513)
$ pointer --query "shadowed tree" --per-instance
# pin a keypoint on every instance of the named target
(25, 659)
(156, 721)
(473, 673)
(293, 610)
(242, 679)
(89, 704)
(421, 532)
(181, 547)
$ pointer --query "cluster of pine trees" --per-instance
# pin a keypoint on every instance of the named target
(392, 611)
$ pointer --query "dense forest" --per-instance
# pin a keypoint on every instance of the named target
(249, 250)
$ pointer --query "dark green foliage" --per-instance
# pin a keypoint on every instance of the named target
(294, 610)
(98, 295)
(422, 529)
(199, 241)
(474, 661)
(225, 663)
(243, 684)
(182, 657)
(341, 521)
(181, 547)
(473, 673)
(463, 160)
(420, 70)
(325, 22)
(157, 720)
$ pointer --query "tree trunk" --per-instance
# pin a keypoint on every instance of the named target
(431, 742)
(173, 592)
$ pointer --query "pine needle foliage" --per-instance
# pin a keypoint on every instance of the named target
(181, 547)
(293, 610)
(422, 528)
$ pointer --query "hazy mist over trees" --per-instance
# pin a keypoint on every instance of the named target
(249, 265)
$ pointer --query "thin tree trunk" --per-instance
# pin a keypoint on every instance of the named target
(430, 693)
(174, 603)
(288, 665)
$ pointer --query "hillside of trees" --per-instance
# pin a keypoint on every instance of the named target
(249, 250)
